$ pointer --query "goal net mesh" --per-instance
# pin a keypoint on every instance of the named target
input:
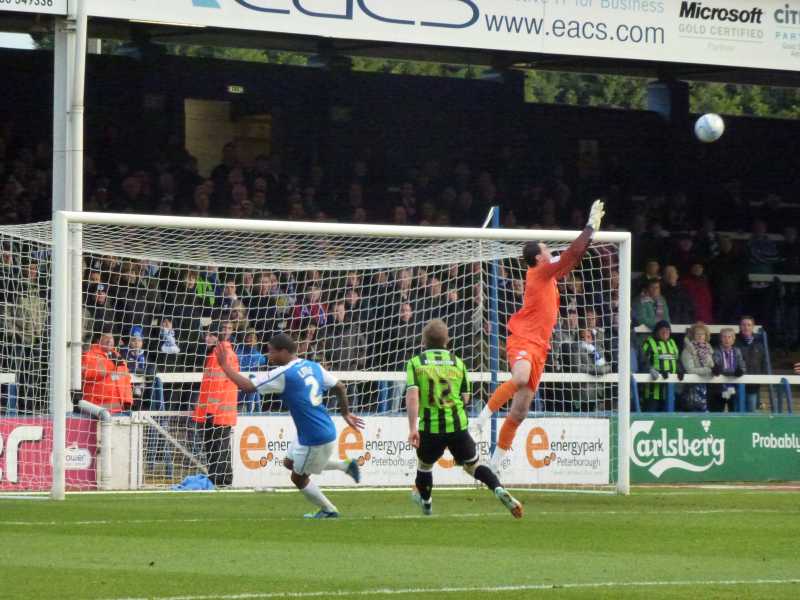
(356, 304)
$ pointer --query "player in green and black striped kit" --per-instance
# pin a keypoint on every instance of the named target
(438, 388)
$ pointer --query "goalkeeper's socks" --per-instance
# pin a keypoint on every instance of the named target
(507, 433)
(316, 497)
(504, 392)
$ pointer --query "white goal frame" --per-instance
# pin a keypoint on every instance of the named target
(66, 226)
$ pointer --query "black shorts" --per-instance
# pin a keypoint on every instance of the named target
(460, 444)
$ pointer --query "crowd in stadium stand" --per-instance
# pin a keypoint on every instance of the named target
(364, 321)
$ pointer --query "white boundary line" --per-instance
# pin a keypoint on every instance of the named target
(467, 589)
(484, 515)
(647, 489)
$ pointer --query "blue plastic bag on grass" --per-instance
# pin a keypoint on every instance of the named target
(194, 483)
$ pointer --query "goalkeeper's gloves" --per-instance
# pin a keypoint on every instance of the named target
(596, 215)
(739, 372)
(654, 374)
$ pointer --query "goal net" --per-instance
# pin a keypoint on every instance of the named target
(139, 302)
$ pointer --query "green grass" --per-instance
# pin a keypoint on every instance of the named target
(258, 546)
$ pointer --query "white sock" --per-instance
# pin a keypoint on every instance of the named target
(314, 495)
(497, 457)
(486, 413)
(337, 465)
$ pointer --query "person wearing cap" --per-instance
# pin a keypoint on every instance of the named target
(661, 357)
(215, 411)
(106, 380)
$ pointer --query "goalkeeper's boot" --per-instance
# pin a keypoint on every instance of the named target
(427, 507)
(354, 470)
(511, 503)
(322, 514)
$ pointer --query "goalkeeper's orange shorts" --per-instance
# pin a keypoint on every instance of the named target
(521, 349)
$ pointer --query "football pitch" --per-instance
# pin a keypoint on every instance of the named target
(657, 543)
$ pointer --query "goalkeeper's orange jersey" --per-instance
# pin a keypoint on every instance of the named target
(537, 318)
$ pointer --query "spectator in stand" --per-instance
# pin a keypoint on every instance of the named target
(201, 204)
(681, 306)
(345, 345)
(728, 361)
(229, 296)
(398, 348)
(652, 270)
(728, 277)
(263, 310)
(697, 358)
(167, 341)
(215, 411)
(598, 333)
(708, 241)
(696, 285)
(399, 215)
(247, 287)
(660, 356)
(251, 360)
(651, 307)
(755, 358)
(237, 317)
(96, 312)
(404, 286)
(149, 392)
(311, 308)
(565, 338)
(588, 358)
(762, 251)
(106, 381)
(683, 254)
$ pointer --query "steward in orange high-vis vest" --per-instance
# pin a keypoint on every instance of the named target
(216, 406)
(106, 380)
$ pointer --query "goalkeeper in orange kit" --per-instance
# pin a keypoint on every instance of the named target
(530, 330)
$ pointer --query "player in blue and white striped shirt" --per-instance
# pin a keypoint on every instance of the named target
(301, 384)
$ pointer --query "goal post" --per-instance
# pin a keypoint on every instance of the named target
(319, 270)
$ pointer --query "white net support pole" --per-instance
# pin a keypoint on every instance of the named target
(624, 358)
(59, 358)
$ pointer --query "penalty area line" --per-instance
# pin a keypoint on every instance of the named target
(470, 589)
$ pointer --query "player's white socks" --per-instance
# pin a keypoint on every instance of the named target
(497, 458)
(316, 497)
(337, 465)
(483, 419)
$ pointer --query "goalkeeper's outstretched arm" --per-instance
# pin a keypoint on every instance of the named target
(572, 255)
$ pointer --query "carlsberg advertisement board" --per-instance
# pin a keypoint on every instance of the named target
(704, 448)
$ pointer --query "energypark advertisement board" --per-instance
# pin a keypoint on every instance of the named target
(26, 451)
(761, 34)
(705, 448)
(50, 7)
(571, 450)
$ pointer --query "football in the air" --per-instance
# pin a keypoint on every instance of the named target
(709, 128)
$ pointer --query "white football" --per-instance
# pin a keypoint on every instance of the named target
(709, 128)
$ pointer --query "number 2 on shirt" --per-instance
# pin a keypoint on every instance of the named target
(313, 393)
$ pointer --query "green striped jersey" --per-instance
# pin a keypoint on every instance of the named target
(441, 378)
